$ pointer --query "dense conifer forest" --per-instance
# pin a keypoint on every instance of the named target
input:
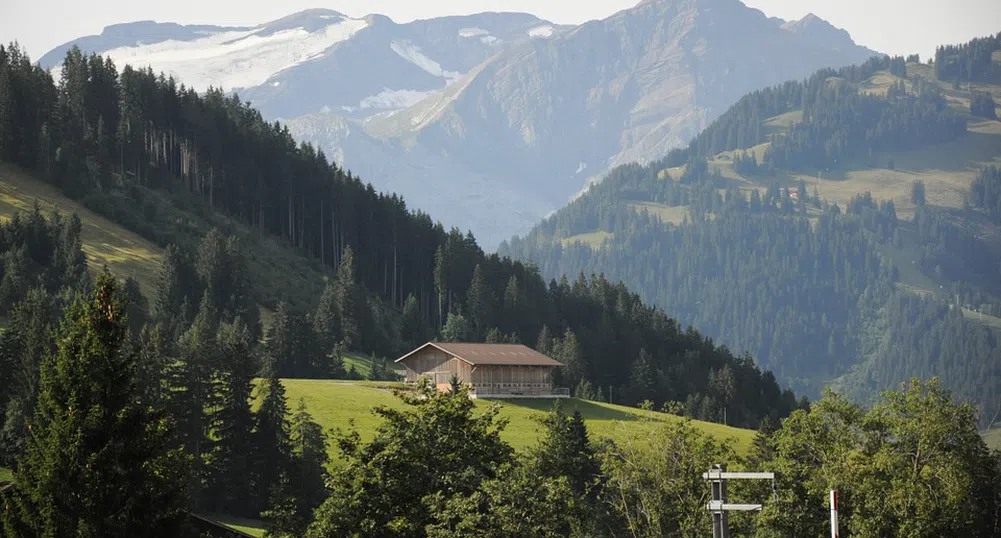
(811, 289)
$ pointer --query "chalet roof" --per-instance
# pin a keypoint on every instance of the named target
(507, 354)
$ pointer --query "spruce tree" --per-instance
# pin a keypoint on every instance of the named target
(643, 378)
(569, 352)
(195, 391)
(97, 462)
(306, 485)
(177, 284)
(565, 451)
(233, 423)
(273, 454)
(326, 325)
(27, 341)
(479, 304)
(412, 328)
(544, 342)
(350, 301)
(153, 367)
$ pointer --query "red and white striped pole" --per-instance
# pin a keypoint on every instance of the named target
(834, 514)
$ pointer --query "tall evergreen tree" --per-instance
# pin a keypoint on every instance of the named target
(272, 438)
(27, 341)
(643, 379)
(194, 393)
(232, 459)
(326, 322)
(97, 462)
(479, 304)
(565, 451)
(291, 344)
(177, 285)
(350, 301)
(305, 487)
(413, 330)
(153, 367)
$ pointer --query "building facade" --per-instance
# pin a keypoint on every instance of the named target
(490, 370)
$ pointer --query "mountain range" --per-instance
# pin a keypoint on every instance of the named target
(489, 121)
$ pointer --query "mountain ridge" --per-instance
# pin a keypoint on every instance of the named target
(494, 120)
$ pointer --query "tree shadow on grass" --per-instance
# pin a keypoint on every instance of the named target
(590, 410)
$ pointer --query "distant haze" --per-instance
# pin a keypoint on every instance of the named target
(891, 26)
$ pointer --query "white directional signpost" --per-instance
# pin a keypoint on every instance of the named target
(718, 506)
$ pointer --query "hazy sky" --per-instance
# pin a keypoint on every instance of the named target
(891, 26)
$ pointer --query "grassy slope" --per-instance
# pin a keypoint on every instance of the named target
(5, 474)
(277, 270)
(334, 404)
(252, 527)
(594, 239)
(104, 242)
(675, 214)
(363, 364)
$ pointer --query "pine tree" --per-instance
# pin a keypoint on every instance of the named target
(479, 304)
(350, 301)
(412, 328)
(565, 451)
(761, 447)
(271, 437)
(584, 391)
(643, 378)
(233, 423)
(27, 341)
(456, 329)
(326, 326)
(194, 391)
(136, 304)
(97, 462)
(309, 467)
(287, 343)
(177, 284)
(223, 272)
(570, 354)
(544, 342)
(153, 367)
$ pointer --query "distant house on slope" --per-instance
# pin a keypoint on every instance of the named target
(490, 370)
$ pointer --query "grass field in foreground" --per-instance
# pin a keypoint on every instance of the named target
(334, 403)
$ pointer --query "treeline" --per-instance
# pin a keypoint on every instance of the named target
(970, 62)
(104, 136)
(843, 122)
(742, 125)
(410, 275)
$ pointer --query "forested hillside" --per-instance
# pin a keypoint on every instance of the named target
(136, 144)
(842, 229)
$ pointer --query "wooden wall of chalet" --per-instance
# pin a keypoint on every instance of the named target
(517, 375)
(436, 364)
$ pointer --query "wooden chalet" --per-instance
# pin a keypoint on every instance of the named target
(490, 370)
